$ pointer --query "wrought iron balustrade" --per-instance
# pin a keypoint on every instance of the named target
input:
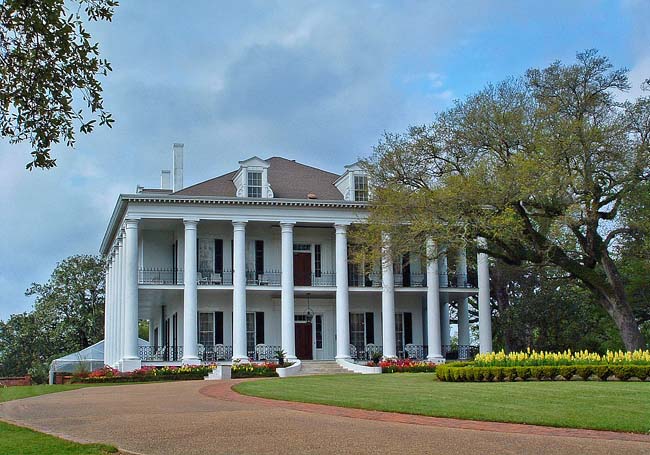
(460, 352)
(266, 278)
(160, 276)
(365, 352)
(212, 278)
(264, 352)
(214, 352)
(414, 351)
(160, 353)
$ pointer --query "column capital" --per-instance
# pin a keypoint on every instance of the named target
(341, 228)
(287, 226)
(190, 223)
(239, 224)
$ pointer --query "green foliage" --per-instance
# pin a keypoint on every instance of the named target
(49, 68)
(540, 166)
(68, 316)
(471, 373)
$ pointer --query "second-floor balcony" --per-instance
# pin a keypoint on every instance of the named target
(163, 276)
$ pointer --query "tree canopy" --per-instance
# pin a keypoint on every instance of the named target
(68, 316)
(49, 68)
(541, 166)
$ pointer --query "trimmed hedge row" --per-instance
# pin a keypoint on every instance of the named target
(466, 372)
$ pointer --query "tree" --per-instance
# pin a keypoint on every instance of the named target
(48, 67)
(539, 166)
(70, 306)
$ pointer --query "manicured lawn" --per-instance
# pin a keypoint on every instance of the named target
(17, 440)
(22, 441)
(618, 406)
(14, 393)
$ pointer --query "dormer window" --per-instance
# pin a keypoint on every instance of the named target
(360, 188)
(254, 183)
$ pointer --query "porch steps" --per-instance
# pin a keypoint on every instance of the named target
(314, 367)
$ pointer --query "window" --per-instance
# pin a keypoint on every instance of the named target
(360, 188)
(357, 331)
(218, 255)
(317, 261)
(319, 331)
(254, 184)
(206, 329)
(254, 331)
(259, 257)
(205, 255)
(403, 330)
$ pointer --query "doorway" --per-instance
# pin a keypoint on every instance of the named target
(302, 269)
(303, 332)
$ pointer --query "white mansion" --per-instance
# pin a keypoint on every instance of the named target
(256, 260)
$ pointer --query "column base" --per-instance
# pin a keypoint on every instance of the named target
(290, 358)
(343, 357)
(190, 361)
(436, 359)
(126, 365)
(389, 357)
(241, 359)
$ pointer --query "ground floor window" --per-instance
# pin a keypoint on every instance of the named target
(254, 331)
(403, 331)
(357, 331)
(319, 331)
(206, 329)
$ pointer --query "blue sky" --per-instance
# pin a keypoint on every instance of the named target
(309, 80)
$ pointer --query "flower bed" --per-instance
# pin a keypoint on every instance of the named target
(252, 370)
(532, 365)
(534, 358)
(146, 374)
(404, 366)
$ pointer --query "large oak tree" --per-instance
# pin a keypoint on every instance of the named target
(540, 166)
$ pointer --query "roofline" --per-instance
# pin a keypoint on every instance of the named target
(124, 199)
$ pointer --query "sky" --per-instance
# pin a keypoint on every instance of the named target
(314, 81)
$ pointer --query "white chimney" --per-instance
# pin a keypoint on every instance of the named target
(165, 180)
(178, 167)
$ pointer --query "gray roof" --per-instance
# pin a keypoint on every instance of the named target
(288, 180)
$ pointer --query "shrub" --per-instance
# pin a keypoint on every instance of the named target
(405, 366)
(474, 373)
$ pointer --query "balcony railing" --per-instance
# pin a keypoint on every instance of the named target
(160, 353)
(214, 352)
(460, 352)
(211, 278)
(160, 276)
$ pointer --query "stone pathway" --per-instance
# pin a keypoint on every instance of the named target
(197, 418)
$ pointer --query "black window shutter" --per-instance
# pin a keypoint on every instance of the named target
(370, 328)
(197, 255)
(408, 328)
(232, 255)
(218, 327)
(259, 327)
(218, 255)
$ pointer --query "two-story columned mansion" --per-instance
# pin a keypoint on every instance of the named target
(256, 260)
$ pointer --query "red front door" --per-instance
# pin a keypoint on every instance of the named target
(302, 269)
(303, 340)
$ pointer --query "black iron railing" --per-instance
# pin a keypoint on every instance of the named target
(264, 352)
(365, 352)
(160, 353)
(212, 278)
(160, 276)
(266, 278)
(414, 351)
(460, 352)
(214, 352)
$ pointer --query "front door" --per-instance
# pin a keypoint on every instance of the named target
(303, 340)
(302, 269)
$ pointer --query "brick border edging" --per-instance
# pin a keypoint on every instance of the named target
(224, 391)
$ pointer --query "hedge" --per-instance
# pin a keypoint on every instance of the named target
(147, 378)
(466, 372)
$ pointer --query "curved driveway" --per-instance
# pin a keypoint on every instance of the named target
(176, 418)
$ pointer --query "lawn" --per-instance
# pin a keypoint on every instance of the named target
(15, 393)
(618, 406)
(17, 440)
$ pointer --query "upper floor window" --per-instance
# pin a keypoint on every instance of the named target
(254, 184)
(360, 188)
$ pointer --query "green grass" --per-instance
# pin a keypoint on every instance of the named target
(17, 440)
(618, 406)
(15, 393)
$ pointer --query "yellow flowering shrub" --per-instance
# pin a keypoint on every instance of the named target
(568, 357)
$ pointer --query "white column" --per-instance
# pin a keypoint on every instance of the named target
(463, 309)
(119, 335)
(239, 350)
(387, 300)
(433, 306)
(288, 328)
(342, 294)
(131, 358)
(444, 317)
(484, 309)
(110, 307)
(107, 311)
(190, 347)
